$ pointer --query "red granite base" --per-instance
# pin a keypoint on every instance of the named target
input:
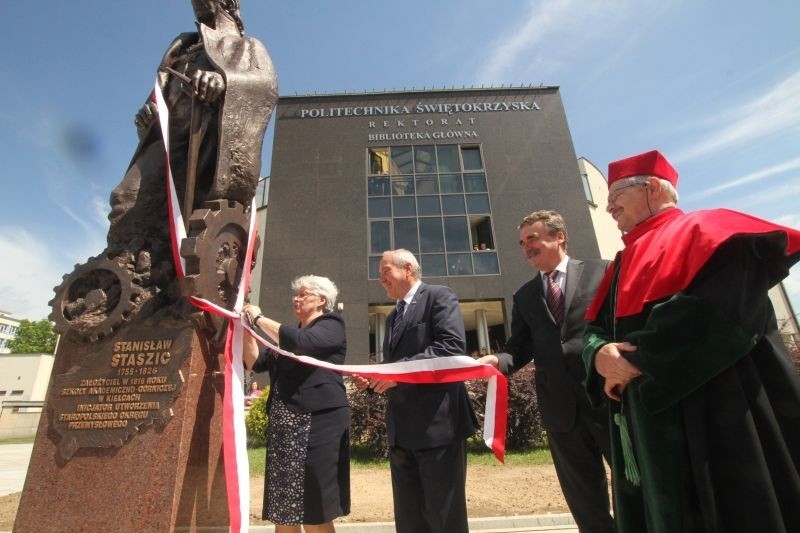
(166, 477)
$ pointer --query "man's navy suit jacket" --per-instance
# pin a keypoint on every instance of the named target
(428, 416)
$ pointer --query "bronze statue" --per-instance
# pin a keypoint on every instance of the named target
(220, 88)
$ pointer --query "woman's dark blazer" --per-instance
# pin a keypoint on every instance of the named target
(304, 388)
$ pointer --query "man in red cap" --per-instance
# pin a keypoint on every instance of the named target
(704, 400)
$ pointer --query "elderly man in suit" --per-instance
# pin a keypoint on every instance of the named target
(547, 325)
(427, 425)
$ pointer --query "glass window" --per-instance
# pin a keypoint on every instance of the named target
(401, 160)
(434, 201)
(427, 184)
(475, 182)
(587, 190)
(471, 155)
(424, 159)
(459, 265)
(378, 186)
(453, 204)
(378, 160)
(486, 263)
(379, 208)
(374, 267)
(478, 203)
(379, 236)
(448, 158)
(433, 265)
(456, 234)
(405, 234)
(428, 205)
(451, 183)
(404, 206)
(402, 186)
(430, 234)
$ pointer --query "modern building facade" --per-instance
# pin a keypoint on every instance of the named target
(8, 330)
(447, 174)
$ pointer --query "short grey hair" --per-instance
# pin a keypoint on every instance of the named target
(402, 257)
(666, 186)
(318, 285)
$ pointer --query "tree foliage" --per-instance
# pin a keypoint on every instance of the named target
(34, 337)
(256, 421)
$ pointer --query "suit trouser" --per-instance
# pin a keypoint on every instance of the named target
(429, 489)
(578, 459)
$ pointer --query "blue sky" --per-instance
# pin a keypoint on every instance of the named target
(715, 85)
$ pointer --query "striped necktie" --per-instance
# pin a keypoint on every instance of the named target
(397, 322)
(555, 297)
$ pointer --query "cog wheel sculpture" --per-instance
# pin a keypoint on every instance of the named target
(215, 251)
(95, 299)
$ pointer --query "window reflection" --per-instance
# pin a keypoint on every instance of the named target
(378, 186)
(475, 182)
(405, 234)
(428, 205)
(448, 158)
(424, 159)
(477, 203)
(401, 160)
(432, 200)
(378, 160)
(404, 207)
(456, 234)
(471, 156)
(459, 264)
(450, 183)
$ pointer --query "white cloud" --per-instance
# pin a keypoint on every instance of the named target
(775, 112)
(542, 20)
(28, 273)
(753, 177)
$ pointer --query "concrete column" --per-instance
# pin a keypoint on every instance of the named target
(482, 329)
(380, 333)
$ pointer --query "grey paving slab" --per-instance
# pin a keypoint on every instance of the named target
(14, 459)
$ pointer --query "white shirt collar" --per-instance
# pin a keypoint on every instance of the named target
(411, 292)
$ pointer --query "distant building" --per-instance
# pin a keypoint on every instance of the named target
(24, 379)
(447, 174)
(8, 330)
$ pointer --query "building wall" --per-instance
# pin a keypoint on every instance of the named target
(609, 237)
(25, 376)
(317, 220)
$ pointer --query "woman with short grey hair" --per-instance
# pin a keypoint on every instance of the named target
(307, 479)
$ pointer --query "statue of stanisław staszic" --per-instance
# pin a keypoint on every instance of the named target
(220, 88)
(125, 321)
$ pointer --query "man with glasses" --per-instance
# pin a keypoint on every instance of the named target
(683, 345)
(547, 324)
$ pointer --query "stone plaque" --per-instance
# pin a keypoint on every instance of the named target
(127, 382)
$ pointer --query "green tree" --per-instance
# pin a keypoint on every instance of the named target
(34, 337)
(256, 421)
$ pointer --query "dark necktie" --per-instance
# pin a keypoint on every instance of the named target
(397, 322)
(555, 297)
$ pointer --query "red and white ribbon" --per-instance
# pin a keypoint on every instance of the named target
(425, 371)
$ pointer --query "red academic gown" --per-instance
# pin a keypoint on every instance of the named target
(714, 419)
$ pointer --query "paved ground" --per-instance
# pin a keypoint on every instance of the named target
(14, 460)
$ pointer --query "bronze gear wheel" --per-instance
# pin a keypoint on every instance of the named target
(214, 251)
(95, 299)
